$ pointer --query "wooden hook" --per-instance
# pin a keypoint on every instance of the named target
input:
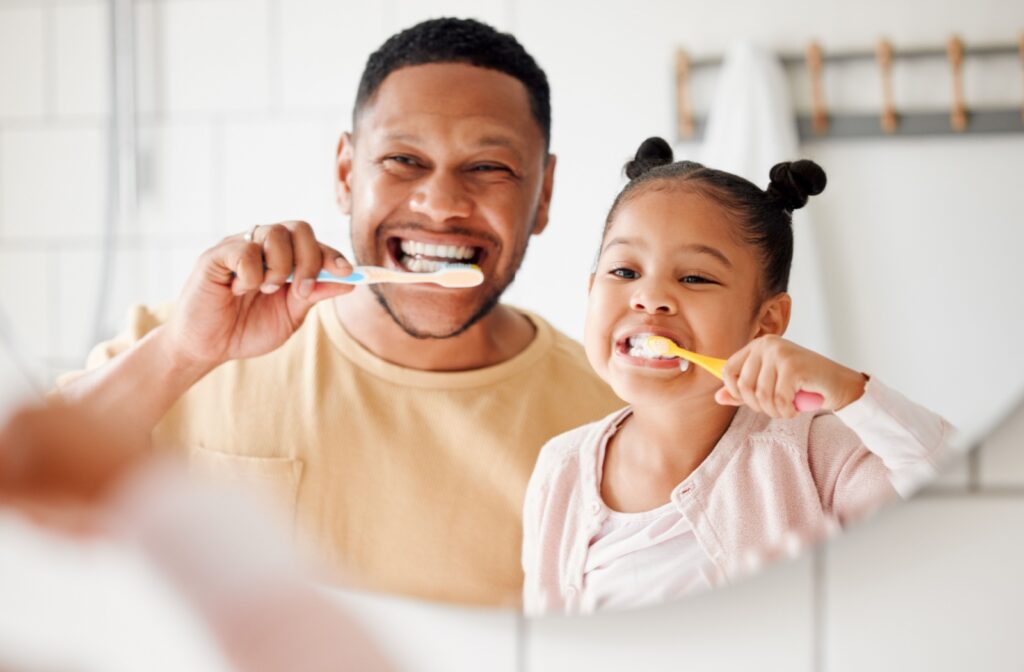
(819, 113)
(1020, 48)
(684, 111)
(883, 54)
(958, 113)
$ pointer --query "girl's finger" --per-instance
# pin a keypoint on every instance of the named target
(785, 391)
(765, 392)
(747, 381)
(723, 397)
(731, 372)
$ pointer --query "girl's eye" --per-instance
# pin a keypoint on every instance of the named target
(695, 280)
(625, 273)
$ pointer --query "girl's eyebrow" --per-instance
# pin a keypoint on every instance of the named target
(690, 247)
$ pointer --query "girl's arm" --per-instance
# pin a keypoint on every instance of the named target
(880, 446)
(895, 445)
(911, 441)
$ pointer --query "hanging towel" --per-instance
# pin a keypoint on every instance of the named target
(750, 128)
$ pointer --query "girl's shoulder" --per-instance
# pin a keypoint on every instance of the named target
(566, 450)
(807, 434)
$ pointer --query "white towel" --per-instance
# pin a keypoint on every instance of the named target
(751, 127)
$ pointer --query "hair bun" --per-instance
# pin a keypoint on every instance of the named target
(792, 182)
(653, 152)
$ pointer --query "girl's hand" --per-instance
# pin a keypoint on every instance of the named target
(767, 373)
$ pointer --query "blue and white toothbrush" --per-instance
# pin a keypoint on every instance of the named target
(450, 275)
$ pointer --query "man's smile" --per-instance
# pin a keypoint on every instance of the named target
(421, 252)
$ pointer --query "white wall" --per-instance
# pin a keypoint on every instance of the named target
(241, 102)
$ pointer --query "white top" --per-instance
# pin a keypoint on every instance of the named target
(644, 558)
(639, 559)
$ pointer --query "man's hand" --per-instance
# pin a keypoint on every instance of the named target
(237, 303)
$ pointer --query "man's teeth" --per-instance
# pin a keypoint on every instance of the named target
(416, 265)
(453, 252)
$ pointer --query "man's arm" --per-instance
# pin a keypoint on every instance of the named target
(137, 387)
(237, 303)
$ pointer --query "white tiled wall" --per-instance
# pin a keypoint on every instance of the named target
(23, 80)
(240, 106)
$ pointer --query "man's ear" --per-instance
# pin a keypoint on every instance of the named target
(546, 189)
(773, 317)
(343, 173)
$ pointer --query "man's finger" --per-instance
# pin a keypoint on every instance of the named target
(278, 258)
(247, 264)
(308, 258)
(334, 262)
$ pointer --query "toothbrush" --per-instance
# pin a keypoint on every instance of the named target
(451, 276)
(659, 345)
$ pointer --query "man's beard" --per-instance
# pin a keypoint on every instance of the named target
(487, 306)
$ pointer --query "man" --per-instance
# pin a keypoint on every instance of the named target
(399, 423)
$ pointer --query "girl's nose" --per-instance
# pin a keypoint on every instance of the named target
(441, 197)
(653, 301)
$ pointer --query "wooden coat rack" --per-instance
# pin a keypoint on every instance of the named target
(821, 123)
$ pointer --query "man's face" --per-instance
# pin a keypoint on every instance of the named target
(446, 165)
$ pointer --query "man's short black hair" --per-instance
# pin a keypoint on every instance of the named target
(450, 40)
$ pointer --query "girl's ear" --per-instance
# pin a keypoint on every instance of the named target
(773, 317)
(590, 283)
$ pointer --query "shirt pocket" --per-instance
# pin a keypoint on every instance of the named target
(274, 480)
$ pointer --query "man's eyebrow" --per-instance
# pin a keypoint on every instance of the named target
(401, 137)
(497, 140)
(502, 141)
(692, 247)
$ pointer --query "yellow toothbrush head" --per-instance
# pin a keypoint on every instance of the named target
(659, 345)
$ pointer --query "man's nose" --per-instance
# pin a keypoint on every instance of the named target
(441, 197)
(653, 299)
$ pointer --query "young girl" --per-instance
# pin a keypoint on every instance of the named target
(697, 482)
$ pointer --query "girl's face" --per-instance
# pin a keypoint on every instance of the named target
(673, 264)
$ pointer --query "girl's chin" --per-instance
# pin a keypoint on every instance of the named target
(660, 388)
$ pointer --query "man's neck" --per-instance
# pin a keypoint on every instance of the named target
(495, 338)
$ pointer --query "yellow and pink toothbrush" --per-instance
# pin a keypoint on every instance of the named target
(659, 345)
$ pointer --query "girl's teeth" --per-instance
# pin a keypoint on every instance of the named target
(684, 365)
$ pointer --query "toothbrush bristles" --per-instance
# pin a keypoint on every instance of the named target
(658, 345)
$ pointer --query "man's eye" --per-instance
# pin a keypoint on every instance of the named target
(489, 168)
(625, 273)
(695, 280)
(401, 160)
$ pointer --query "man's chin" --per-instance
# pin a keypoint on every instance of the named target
(437, 316)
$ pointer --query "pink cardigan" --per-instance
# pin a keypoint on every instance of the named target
(768, 488)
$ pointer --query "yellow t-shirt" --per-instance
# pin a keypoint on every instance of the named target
(405, 481)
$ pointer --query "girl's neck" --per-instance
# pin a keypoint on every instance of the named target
(659, 447)
(680, 431)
